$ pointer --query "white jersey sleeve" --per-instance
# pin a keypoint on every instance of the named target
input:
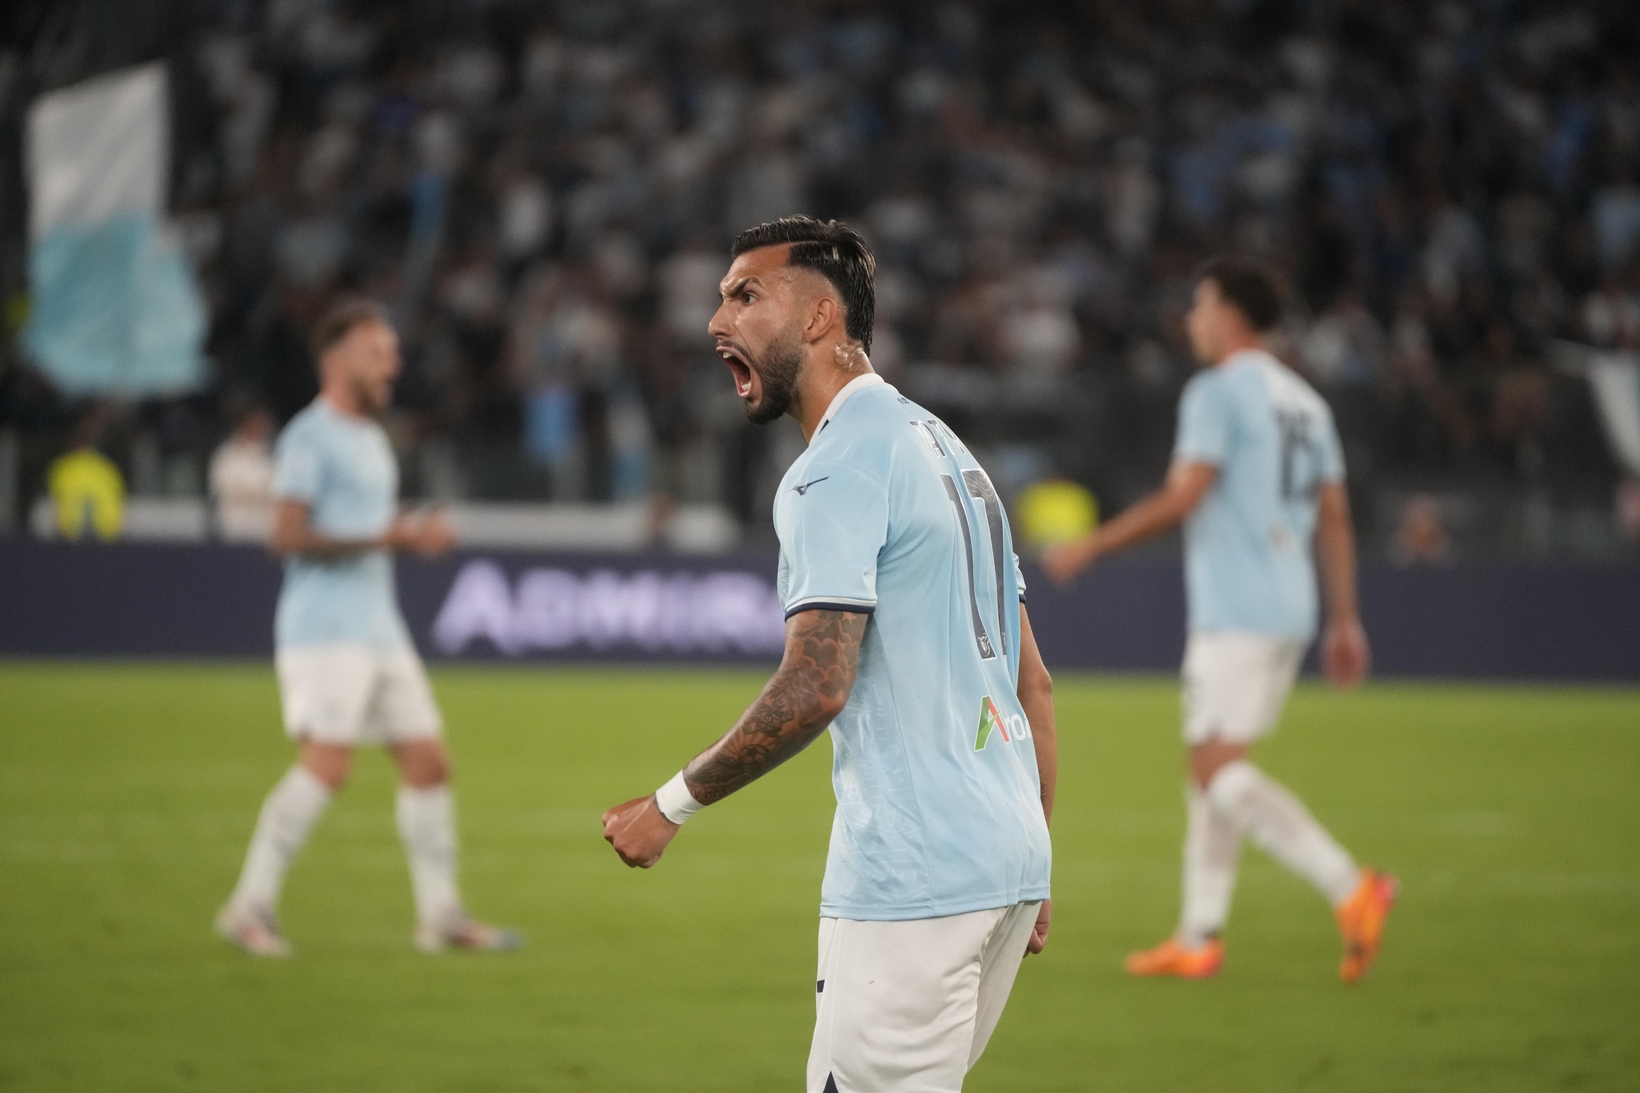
(1206, 421)
(296, 468)
(838, 523)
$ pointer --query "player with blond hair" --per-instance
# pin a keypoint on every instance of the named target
(348, 673)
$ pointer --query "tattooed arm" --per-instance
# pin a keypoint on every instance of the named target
(809, 689)
(799, 701)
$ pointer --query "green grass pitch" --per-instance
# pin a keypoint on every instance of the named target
(127, 792)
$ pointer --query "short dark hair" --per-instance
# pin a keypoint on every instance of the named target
(341, 317)
(1251, 287)
(833, 250)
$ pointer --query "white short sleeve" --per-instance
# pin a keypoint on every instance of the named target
(296, 469)
(836, 524)
(1205, 421)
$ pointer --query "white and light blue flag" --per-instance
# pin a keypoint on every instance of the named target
(114, 306)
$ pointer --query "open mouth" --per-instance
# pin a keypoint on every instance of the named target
(738, 366)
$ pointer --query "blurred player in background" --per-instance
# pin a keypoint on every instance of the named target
(1257, 475)
(905, 633)
(348, 673)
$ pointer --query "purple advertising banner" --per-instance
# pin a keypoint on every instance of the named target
(135, 600)
(652, 607)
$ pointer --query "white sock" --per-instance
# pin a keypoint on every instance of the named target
(292, 807)
(1212, 848)
(428, 827)
(1283, 828)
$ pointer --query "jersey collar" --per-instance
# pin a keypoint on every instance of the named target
(858, 383)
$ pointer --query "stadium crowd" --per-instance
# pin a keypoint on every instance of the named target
(544, 194)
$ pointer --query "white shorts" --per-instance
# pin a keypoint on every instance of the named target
(907, 1007)
(1236, 684)
(354, 694)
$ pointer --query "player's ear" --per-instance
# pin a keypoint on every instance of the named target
(823, 313)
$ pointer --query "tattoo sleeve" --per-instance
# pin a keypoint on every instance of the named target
(809, 689)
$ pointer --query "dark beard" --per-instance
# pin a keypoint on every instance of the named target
(778, 370)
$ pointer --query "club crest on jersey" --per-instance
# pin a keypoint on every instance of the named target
(991, 720)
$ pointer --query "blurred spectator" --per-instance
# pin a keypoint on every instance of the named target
(688, 284)
(241, 479)
(1616, 216)
(1628, 510)
(87, 489)
(1345, 346)
(1611, 315)
(1039, 334)
(1421, 537)
(524, 215)
(1133, 200)
(1056, 511)
(1515, 389)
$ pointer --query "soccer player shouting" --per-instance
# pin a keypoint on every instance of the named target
(1257, 474)
(348, 674)
(906, 635)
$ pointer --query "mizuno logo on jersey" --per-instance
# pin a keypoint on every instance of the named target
(804, 488)
(991, 720)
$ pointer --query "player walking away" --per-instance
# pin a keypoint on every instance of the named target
(906, 635)
(1257, 473)
(348, 674)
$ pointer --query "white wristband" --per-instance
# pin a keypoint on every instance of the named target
(675, 801)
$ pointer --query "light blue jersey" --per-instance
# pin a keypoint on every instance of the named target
(343, 469)
(939, 807)
(1248, 560)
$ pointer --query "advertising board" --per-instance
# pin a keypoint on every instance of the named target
(152, 600)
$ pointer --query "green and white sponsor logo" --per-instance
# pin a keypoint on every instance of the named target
(992, 720)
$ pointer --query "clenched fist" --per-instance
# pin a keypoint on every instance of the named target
(638, 831)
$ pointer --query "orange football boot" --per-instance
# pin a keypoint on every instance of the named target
(1361, 921)
(1172, 958)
